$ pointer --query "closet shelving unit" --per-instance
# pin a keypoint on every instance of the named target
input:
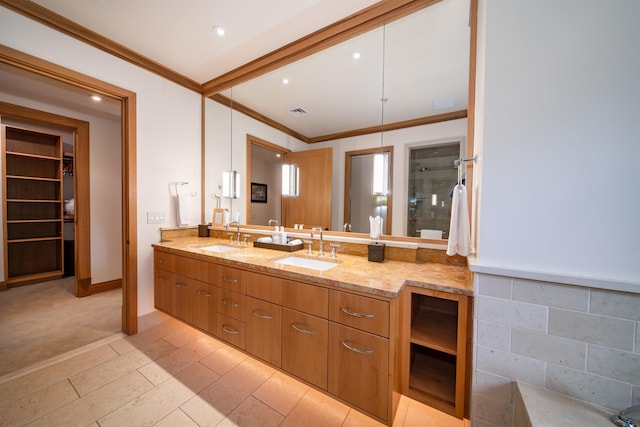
(32, 201)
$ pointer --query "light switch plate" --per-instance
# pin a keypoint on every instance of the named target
(155, 217)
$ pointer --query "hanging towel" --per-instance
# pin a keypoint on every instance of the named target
(459, 235)
(375, 227)
(183, 210)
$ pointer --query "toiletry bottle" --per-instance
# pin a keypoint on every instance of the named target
(275, 237)
(283, 236)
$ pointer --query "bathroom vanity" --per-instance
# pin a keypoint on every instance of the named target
(362, 332)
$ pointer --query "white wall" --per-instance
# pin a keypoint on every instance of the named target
(559, 142)
(105, 188)
(557, 279)
(168, 128)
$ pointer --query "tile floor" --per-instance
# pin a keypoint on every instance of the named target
(170, 374)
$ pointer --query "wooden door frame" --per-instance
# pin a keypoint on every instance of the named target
(347, 181)
(127, 99)
(251, 141)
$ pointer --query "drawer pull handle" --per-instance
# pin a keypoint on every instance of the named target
(229, 330)
(161, 279)
(181, 285)
(346, 310)
(224, 279)
(203, 293)
(160, 261)
(229, 303)
(356, 349)
(262, 316)
(303, 330)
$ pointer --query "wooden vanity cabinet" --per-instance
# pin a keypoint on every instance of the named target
(342, 342)
(435, 355)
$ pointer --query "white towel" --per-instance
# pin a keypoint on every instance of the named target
(265, 240)
(183, 209)
(295, 242)
(375, 227)
(459, 235)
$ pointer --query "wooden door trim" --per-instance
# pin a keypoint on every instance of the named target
(129, 208)
(347, 180)
(254, 140)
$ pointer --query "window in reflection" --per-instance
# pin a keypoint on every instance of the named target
(432, 176)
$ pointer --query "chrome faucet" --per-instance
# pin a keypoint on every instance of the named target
(237, 223)
(272, 221)
(630, 417)
(320, 252)
(346, 227)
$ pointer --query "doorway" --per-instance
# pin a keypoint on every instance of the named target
(127, 101)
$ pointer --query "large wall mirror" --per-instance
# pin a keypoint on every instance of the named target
(332, 102)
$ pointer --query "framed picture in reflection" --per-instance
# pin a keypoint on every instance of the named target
(258, 193)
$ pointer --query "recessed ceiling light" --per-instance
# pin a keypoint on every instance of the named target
(219, 30)
(96, 98)
(284, 81)
(356, 55)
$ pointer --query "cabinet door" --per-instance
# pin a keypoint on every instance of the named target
(204, 307)
(304, 346)
(231, 304)
(263, 336)
(163, 290)
(182, 298)
(230, 330)
(359, 369)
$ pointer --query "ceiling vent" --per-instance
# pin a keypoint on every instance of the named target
(298, 112)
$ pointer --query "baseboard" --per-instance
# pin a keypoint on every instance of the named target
(3, 286)
(110, 285)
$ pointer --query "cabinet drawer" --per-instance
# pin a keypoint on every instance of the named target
(190, 267)
(304, 346)
(359, 369)
(230, 278)
(264, 287)
(230, 330)
(162, 289)
(231, 304)
(162, 260)
(307, 298)
(368, 314)
(264, 335)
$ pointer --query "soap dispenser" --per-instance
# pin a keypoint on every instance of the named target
(275, 237)
(283, 236)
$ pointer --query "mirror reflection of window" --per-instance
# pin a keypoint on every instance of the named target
(432, 176)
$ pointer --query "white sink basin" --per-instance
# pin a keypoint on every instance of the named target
(312, 264)
(220, 248)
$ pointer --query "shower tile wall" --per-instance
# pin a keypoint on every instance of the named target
(578, 341)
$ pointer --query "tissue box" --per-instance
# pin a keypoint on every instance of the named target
(376, 252)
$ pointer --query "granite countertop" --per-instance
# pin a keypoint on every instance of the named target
(384, 279)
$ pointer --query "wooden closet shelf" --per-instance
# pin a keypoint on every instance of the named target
(33, 178)
(23, 221)
(33, 201)
(39, 239)
(436, 330)
(32, 156)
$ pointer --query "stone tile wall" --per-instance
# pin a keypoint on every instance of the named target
(578, 341)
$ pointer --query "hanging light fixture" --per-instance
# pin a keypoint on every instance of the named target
(231, 178)
(290, 180)
(380, 179)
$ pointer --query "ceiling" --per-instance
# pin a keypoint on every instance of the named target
(426, 56)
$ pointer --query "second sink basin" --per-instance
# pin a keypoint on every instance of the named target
(313, 264)
(219, 248)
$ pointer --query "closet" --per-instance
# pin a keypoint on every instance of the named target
(32, 201)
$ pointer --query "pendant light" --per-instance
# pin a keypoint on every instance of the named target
(231, 178)
(380, 178)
